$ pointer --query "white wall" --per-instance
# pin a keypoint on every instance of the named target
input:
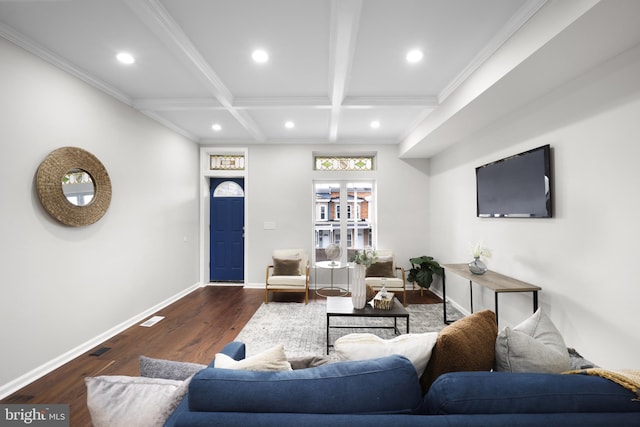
(585, 258)
(280, 190)
(62, 286)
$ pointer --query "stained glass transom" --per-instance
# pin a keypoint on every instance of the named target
(344, 163)
(227, 162)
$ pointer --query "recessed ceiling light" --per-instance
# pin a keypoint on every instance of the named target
(375, 124)
(289, 125)
(260, 56)
(216, 127)
(125, 58)
(414, 56)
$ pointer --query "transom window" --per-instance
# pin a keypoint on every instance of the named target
(343, 163)
(226, 162)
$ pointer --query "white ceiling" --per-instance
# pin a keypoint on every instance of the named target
(334, 66)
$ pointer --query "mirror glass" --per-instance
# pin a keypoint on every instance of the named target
(78, 187)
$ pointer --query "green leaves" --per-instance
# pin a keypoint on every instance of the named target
(423, 269)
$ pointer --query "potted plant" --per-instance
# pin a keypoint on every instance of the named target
(422, 270)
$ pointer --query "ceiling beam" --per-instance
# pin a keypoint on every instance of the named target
(345, 19)
(160, 21)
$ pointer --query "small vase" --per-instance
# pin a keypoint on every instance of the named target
(477, 267)
(358, 289)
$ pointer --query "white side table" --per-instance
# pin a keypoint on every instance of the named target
(332, 265)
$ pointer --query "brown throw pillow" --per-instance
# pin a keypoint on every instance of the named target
(467, 344)
(286, 267)
(380, 269)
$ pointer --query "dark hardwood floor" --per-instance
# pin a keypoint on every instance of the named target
(194, 329)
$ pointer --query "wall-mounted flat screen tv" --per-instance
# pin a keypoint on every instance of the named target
(518, 186)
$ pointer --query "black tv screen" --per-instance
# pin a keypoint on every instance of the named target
(518, 186)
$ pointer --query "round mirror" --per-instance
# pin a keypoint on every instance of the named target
(77, 186)
(73, 186)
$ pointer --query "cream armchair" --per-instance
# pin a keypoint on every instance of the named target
(289, 272)
(385, 272)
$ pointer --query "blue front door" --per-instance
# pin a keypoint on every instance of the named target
(227, 230)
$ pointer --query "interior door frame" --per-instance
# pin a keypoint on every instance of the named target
(206, 174)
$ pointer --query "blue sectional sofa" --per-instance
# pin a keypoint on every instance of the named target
(387, 392)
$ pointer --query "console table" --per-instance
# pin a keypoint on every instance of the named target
(497, 282)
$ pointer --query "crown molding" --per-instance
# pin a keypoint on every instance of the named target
(515, 23)
(177, 104)
(172, 126)
(29, 45)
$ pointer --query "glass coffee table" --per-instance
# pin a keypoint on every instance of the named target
(342, 307)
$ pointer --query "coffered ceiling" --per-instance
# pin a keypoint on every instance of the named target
(333, 68)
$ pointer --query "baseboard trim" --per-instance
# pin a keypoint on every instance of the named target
(254, 285)
(457, 306)
(42, 370)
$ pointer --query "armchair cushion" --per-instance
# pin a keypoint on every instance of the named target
(389, 282)
(286, 267)
(299, 254)
(381, 268)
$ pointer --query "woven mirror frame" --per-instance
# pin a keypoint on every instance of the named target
(49, 178)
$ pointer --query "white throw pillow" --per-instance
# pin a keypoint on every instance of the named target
(120, 401)
(273, 359)
(535, 345)
(415, 347)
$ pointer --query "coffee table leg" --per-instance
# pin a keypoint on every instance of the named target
(328, 333)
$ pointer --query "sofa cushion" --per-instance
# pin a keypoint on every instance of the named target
(121, 401)
(168, 369)
(502, 392)
(385, 385)
(273, 359)
(467, 344)
(415, 347)
(534, 345)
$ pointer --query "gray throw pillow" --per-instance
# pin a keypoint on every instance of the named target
(535, 345)
(305, 362)
(168, 369)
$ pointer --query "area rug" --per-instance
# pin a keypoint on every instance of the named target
(303, 328)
